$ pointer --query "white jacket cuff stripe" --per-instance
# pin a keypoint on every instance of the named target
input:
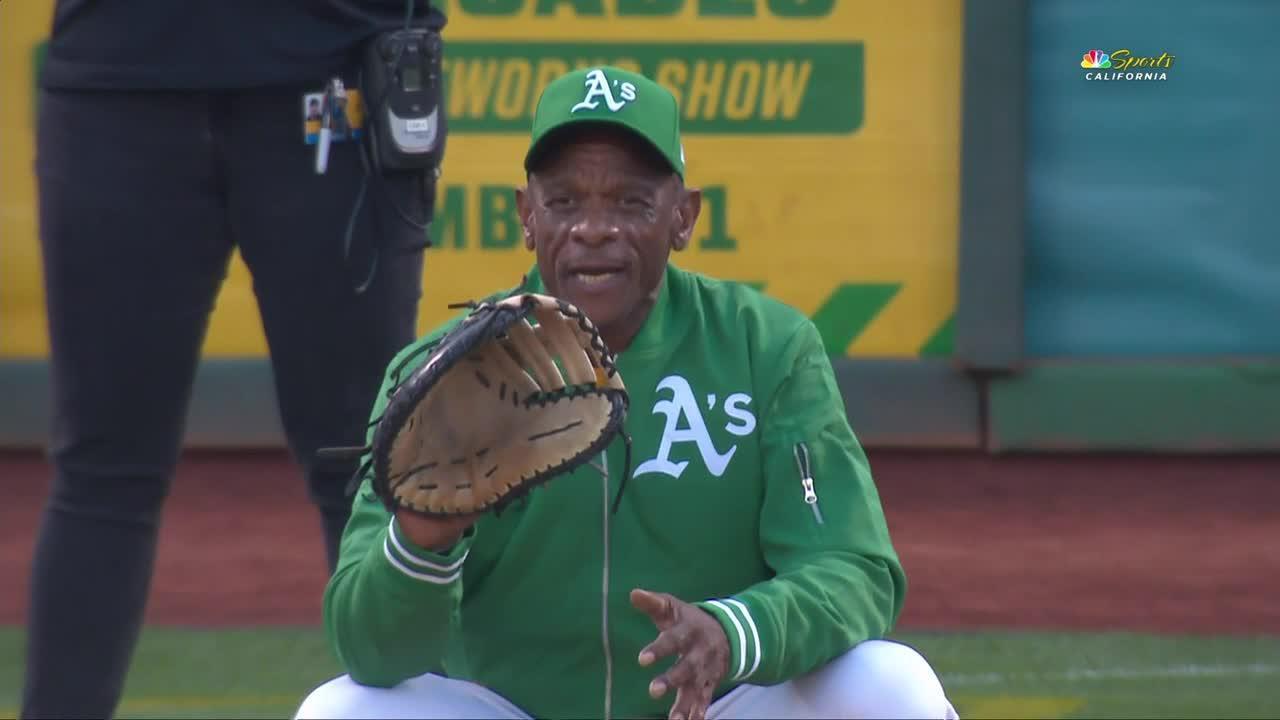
(436, 579)
(755, 635)
(393, 533)
(742, 636)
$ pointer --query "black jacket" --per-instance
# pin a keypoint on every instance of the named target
(213, 44)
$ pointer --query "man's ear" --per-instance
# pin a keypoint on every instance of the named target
(686, 210)
(524, 208)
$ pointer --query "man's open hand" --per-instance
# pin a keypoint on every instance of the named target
(699, 641)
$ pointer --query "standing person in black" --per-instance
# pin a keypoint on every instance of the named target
(170, 133)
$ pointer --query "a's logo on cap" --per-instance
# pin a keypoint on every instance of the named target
(598, 86)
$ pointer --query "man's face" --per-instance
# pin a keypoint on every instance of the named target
(603, 217)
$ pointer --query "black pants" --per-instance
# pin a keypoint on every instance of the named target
(142, 198)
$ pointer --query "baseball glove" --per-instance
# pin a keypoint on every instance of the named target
(499, 407)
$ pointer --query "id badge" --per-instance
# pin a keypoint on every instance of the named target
(347, 116)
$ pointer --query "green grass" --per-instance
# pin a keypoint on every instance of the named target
(263, 673)
(1106, 675)
(178, 673)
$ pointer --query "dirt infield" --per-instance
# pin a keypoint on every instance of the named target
(1163, 544)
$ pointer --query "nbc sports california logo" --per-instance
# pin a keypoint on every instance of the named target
(1124, 65)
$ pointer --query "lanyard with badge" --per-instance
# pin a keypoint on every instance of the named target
(395, 112)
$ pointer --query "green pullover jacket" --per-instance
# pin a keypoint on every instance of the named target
(749, 496)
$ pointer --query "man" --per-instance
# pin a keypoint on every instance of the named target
(747, 570)
(171, 135)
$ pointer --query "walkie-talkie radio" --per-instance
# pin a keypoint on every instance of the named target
(403, 87)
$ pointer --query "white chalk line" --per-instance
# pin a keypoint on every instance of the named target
(1148, 673)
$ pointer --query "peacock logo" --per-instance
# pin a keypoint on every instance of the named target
(1096, 59)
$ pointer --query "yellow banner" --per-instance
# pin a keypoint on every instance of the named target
(825, 135)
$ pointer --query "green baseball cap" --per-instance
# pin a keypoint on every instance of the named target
(610, 95)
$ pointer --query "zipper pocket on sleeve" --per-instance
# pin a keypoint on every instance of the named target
(806, 480)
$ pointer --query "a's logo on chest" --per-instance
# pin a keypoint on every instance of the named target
(686, 424)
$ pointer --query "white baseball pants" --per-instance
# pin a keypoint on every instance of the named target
(876, 679)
